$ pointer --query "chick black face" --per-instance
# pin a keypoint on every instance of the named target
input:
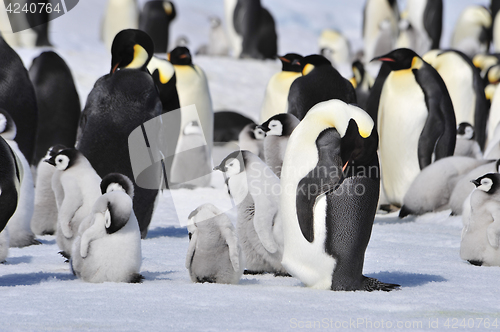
(488, 183)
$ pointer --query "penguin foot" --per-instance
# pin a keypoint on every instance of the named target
(250, 272)
(65, 255)
(136, 278)
(404, 212)
(475, 263)
(389, 208)
(282, 274)
(48, 233)
(210, 280)
(372, 284)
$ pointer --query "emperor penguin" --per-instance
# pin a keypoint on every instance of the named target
(214, 254)
(109, 249)
(119, 103)
(18, 98)
(373, 101)
(255, 190)
(485, 61)
(466, 144)
(380, 27)
(251, 138)
(155, 20)
(163, 73)
(433, 186)
(131, 49)
(38, 20)
(481, 232)
(463, 188)
(471, 34)
(319, 82)
(278, 130)
(275, 98)
(76, 188)
(362, 82)
(119, 15)
(416, 121)
(228, 125)
(235, 39)
(466, 88)
(332, 41)
(44, 220)
(20, 232)
(218, 42)
(331, 176)
(58, 103)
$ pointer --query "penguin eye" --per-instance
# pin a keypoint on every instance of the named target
(231, 164)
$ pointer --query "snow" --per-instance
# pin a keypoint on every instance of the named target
(421, 254)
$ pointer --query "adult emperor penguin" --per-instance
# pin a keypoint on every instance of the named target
(275, 98)
(380, 27)
(214, 254)
(155, 20)
(119, 15)
(251, 138)
(76, 188)
(44, 220)
(433, 186)
(416, 121)
(110, 248)
(119, 103)
(466, 144)
(278, 130)
(320, 82)
(20, 232)
(18, 98)
(331, 176)
(332, 41)
(362, 83)
(255, 190)
(466, 88)
(471, 34)
(58, 103)
(163, 73)
(481, 233)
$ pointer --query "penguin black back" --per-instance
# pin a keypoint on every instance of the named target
(18, 98)
(58, 103)
(155, 20)
(8, 181)
(433, 21)
(373, 100)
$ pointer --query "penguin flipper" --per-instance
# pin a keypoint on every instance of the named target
(234, 253)
(136, 278)
(372, 284)
(493, 233)
(433, 21)
(191, 249)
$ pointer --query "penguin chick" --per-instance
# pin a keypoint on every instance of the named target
(433, 186)
(213, 254)
(278, 130)
(251, 138)
(337, 44)
(481, 232)
(255, 190)
(20, 231)
(131, 49)
(218, 42)
(466, 144)
(76, 188)
(110, 248)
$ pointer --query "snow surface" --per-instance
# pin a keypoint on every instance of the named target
(39, 292)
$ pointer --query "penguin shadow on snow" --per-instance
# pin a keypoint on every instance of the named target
(393, 218)
(406, 279)
(155, 276)
(30, 279)
(48, 242)
(18, 260)
(170, 231)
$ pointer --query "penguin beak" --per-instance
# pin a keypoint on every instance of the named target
(476, 183)
(114, 68)
(50, 161)
(220, 168)
(284, 59)
(383, 59)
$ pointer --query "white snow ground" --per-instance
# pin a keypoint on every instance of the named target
(439, 291)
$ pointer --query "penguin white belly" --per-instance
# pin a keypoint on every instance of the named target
(496, 36)
(4, 244)
(235, 40)
(401, 119)
(276, 97)
(415, 9)
(494, 117)
(120, 15)
(44, 220)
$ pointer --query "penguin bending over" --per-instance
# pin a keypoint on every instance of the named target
(214, 254)
(331, 176)
(109, 249)
(155, 20)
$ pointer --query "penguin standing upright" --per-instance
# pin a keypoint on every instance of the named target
(332, 183)
(320, 82)
(472, 32)
(155, 20)
(251, 138)
(119, 103)
(18, 98)
(119, 15)
(275, 99)
(337, 47)
(163, 73)
(416, 121)
(278, 130)
(218, 43)
(362, 83)
(58, 103)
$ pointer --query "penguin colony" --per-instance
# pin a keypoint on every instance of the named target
(422, 136)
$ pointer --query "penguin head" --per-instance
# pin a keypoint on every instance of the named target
(180, 56)
(465, 130)
(53, 150)
(401, 59)
(488, 183)
(493, 74)
(291, 62)
(169, 8)
(280, 124)
(313, 61)
(8, 127)
(131, 49)
(257, 132)
(358, 71)
(64, 159)
(117, 182)
(231, 165)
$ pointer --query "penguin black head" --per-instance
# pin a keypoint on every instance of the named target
(280, 124)
(53, 150)
(358, 71)
(233, 164)
(131, 49)
(117, 181)
(356, 150)
(291, 62)
(402, 58)
(169, 8)
(180, 56)
(8, 128)
(312, 61)
(116, 219)
(488, 183)
(465, 130)
(64, 159)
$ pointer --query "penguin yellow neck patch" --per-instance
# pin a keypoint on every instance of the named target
(307, 69)
(416, 63)
(140, 57)
(167, 6)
